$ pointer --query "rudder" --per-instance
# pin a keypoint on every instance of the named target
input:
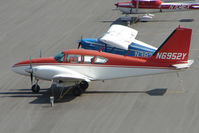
(176, 47)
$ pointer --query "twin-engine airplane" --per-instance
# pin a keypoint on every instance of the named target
(78, 67)
(154, 6)
(120, 40)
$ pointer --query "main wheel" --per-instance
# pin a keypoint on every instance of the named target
(77, 91)
(35, 88)
(84, 85)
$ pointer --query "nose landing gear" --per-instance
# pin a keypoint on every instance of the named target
(35, 88)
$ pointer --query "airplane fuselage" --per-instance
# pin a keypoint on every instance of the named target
(129, 8)
(114, 66)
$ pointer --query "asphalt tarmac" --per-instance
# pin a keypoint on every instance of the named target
(164, 103)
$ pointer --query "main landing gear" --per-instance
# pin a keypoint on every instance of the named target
(76, 90)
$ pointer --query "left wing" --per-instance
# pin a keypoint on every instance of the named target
(60, 75)
(119, 36)
(70, 78)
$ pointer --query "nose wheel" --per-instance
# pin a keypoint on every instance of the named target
(35, 88)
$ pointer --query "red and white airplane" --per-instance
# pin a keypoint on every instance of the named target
(78, 67)
(154, 6)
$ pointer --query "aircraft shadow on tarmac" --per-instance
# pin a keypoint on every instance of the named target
(43, 96)
(125, 23)
(153, 92)
(117, 21)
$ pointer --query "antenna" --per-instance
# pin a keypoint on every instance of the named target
(40, 54)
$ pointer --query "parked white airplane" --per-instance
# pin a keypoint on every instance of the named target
(79, 67)
(154, 6)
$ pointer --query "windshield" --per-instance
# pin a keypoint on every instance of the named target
(59, 57)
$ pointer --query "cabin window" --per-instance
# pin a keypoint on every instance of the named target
(59, 57)
(100, 60)
(88, 59)
(71, 58)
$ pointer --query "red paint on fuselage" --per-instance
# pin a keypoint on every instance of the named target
(156, 4)
(37, 61)
(112, 59)
(144, 3)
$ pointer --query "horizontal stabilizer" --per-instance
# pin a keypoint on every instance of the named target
(196, 7)
(185, 65)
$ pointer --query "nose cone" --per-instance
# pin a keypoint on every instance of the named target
(117, 4)
(23, 67)
(15, 69)
(19, 69)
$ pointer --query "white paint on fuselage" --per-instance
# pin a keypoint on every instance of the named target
(93, 72)
(137, 11)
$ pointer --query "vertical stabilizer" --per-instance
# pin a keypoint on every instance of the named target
(175, 48)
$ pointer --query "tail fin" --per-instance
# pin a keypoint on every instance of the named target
(175, 48)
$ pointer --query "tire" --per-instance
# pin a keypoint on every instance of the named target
(77, 91)
(35, 88)
(84, 85)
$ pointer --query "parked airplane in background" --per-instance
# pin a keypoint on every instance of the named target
(154, 6)
(79, 67)
(120, 40)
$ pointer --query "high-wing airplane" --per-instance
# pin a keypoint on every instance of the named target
(120, 40)
(154, 6)
(78, 67)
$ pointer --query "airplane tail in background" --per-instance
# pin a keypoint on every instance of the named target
(175, 49)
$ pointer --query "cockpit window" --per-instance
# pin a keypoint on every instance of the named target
(71, 58)
(59, 57)
(88, 59)
(100, 60)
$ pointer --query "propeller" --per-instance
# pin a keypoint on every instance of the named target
(30, 70)
(116, 5)
(80, 43)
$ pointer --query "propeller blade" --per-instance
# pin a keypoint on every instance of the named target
(30, 63)
(116, 4)
(80, 42)
(31, 78)
(31, 72)
(40, 55)
(79, 45)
